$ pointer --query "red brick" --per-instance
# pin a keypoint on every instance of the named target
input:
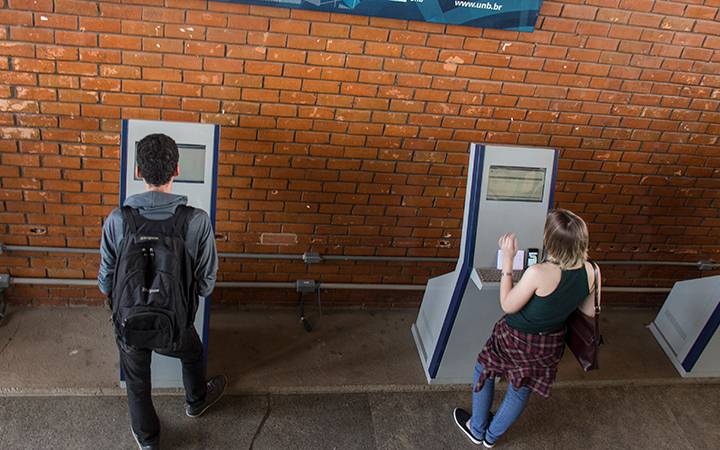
(16, 18)
(79, 96)
(118, 99)
(245, 22)
(289, 26)
(150, 73)
(163, 15)
(122, 42)
(286, 55)
(127, 12)
(196, 48)
(141, 28)
(144, 87)
(66, 22)
(383, 49)
(36, 5)
(184, 90)
(168, 45)
(77, 68)
(76, 7)
(82, 38)
(101, 25)
(182, 62)
(195, 32)
(329, 30)
(33, 65)
(226, 35)
(31, 34)
(32, 93)
(100, 56)
(206, 18)
(117, 71)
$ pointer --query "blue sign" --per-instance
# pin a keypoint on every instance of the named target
(516, 15)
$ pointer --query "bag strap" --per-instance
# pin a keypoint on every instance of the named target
(596, 290)
(182, 219)
(129, 213)
(596, 295)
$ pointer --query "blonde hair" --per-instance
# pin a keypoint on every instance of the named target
(565, 239)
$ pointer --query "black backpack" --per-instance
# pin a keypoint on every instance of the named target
(153, 296)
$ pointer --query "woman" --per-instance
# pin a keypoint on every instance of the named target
(527, 344)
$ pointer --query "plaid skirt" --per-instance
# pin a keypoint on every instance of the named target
(523, 359)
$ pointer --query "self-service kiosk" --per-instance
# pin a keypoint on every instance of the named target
(509, 189)
(686, 327)
(198, 150)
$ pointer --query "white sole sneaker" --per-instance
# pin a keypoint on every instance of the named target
(223, 380)
(460, 417)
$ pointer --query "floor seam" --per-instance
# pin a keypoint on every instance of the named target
(268, 410)
(7, 344)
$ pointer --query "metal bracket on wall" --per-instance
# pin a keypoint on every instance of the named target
(305, 287)
(707, 265)
(311, 258)
(4, 284)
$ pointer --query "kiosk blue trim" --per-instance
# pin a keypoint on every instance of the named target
(213, 200)
(123, 159)
(551, 200)
(702, 340)
(466, 268)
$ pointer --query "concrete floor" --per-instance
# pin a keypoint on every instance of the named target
(645, 417)
(72, 350)
(354, 382)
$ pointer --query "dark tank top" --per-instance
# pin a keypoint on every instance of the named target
(549, 313)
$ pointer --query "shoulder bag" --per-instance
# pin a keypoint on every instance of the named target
(583, 332)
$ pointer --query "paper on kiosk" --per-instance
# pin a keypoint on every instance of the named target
(518, 262)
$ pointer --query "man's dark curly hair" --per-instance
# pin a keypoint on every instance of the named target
(157, 158)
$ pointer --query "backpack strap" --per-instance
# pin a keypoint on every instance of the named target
(182, 216)
(130, 216)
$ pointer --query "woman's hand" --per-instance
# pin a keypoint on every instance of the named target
(509, 246)
(513, 299)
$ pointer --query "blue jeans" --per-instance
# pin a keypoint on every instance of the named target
(512, 406)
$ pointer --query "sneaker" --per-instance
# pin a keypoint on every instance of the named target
(144, 446)
(487, 444)
(215, 390)
(461, 418)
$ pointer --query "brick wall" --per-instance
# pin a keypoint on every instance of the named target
(348, 135)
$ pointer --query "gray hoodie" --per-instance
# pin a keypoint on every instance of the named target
(154, 205)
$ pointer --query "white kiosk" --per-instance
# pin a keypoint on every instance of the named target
(198, 147)
(509, 189)
(686, 327)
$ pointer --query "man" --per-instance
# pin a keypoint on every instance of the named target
(157, 160)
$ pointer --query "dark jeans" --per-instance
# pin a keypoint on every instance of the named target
(135, 363)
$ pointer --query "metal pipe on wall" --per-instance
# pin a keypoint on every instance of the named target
(289, 285)
(41, 249)
(702, 265)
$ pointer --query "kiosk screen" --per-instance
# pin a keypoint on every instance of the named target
(516, 184)
(192, 163)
